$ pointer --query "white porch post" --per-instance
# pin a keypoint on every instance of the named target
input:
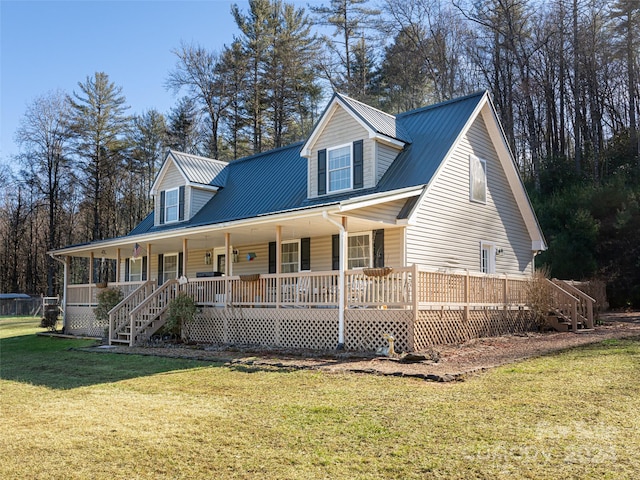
(341, 276)
(184, 257)
(65, 285)
(278, 264)
(118, 265)
(148, 261)
(227, 257)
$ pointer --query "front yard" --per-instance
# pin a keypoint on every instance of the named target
(67, 413)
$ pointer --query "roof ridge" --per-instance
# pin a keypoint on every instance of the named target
(340, 95)
(442, 104)
(267, 152)
(199, 157)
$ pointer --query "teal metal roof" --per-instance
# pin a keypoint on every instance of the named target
(276, 181)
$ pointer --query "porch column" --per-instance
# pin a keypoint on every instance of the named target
(91, 268)
(184, 257)
(342, 226)
(278, 264)
(117, 265)
(227, 257)
(65, 285)
(148, 261)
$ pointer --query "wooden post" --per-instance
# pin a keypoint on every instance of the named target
(227, 272)
(278, 264)
(148, 261)
(467, 295)
(118, 265)
(184, 257)
(414, 291)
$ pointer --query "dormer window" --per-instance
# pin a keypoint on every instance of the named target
(340, 168)
(171, 205)
(339, 171)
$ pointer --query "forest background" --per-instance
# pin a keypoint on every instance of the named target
(563, 75)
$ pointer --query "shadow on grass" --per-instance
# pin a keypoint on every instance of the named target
(57, 363)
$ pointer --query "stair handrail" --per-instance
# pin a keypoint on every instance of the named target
(570, 299)
(585, 300)
(157, 293)
(119, 315)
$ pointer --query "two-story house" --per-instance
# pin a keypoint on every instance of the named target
(415, 225)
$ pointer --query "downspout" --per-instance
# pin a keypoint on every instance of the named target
(340, 281)
(64, 289)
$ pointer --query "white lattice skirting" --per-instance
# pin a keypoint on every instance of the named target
(439, 327)
(317, 328)
(82, 321)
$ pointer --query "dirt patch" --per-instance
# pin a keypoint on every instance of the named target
(441, 363)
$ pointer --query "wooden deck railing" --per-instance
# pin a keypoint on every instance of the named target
(573, 301)
(399, 288)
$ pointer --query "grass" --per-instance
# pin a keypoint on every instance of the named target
(72, 414)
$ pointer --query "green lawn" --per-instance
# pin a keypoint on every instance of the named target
(72, 414)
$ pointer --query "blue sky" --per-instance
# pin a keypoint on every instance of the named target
(49, 45)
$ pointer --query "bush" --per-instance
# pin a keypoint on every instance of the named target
(182, 311)
(107, 299)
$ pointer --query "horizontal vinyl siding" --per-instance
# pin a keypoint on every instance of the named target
(198, 199)
(172, 179)
(384, 158)
(387, 212)
(341, 129)
(450, 227)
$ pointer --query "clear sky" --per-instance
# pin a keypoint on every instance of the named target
(49, 45)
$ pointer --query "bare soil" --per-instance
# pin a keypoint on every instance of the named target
(441, 363)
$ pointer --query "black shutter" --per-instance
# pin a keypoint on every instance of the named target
(180, 261)
(144, 269)
(378, 248)
(126, 270)
(160, 268)
(335, 252)
(322, 172)
(305, 254)
(181, 204)
(272, 257)
(358, 169)
(162, 207)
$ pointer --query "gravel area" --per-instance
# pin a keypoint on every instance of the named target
(442, 363)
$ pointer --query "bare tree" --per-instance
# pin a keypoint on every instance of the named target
(43, 136)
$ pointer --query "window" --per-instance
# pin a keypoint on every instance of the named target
(477, 179)
(171, 205)
(339, 168)
(135, 270)
(170, 268)
(359, 251)
(290, 257)
(487, 258)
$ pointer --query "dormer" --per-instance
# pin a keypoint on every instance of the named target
(351, 147)
(184, 184)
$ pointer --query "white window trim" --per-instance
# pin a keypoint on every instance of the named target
(350, 187)
(132, 262)
(299, 252)
(483, 162)
(177, 205)
(362, 234)
(164, 263)
(490, 247)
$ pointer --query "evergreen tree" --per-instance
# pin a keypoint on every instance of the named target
(99, 123)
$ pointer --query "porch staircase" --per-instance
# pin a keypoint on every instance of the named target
(570, 309)
(141, 314)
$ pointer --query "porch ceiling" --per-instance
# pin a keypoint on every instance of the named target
(259, 231)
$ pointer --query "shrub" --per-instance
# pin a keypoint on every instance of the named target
(107, 299)
(182, 311)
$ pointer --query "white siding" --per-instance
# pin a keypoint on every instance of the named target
(198, 199)
(450, 227)
(171, 179)
(385, 155)
(342, 128)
